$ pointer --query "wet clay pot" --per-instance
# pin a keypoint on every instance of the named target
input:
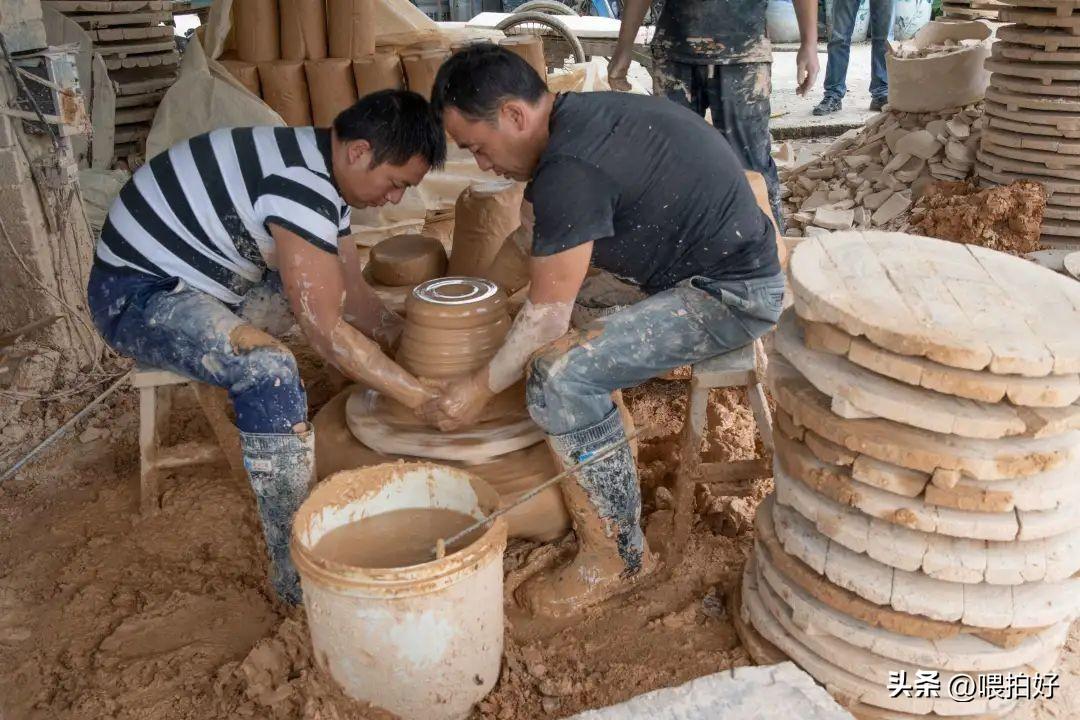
(453, 326)
(407, 260)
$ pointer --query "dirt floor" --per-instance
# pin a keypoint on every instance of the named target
(107, 614)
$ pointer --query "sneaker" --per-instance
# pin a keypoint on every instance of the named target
(878, 104)
(828, 106)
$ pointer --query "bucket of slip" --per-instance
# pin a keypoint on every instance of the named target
(423, 638)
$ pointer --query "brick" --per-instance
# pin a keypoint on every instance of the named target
(834, 219)
(891, 208)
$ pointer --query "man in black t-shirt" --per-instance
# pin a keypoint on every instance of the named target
(644, 189)
(713, 55)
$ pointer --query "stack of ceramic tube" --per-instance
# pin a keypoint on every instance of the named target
(1033, 109)
(926, 513)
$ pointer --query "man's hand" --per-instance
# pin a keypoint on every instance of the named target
(633, 14)
(460, 403)
(616, 72)
(806, 64)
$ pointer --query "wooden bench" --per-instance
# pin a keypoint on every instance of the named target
(155, 405)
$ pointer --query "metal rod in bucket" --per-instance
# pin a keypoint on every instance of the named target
(440, 544)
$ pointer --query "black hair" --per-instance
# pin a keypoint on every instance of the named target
(398, 124)
(479, 78)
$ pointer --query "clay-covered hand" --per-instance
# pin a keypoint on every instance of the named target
(460, 403)
(806, 67)
(616, 74)
(388, 332)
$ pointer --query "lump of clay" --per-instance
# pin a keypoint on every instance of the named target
(407, 260)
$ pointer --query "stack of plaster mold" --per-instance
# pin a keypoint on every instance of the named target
(926, 507)
(871, 177)
(1033, 109)
(972, 9)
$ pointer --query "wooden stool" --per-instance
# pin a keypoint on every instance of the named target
(743, 367)
(155, 405)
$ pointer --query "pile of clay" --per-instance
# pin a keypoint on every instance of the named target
(1033, 111)
(926, 455)
(870, 177)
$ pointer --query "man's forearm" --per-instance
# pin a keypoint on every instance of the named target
(806, 14)
(534, 327)
(633, 14)
(361, 359)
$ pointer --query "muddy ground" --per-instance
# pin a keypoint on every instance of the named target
(108, 614)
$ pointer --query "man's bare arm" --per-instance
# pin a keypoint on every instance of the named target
(633, 14)
(315, 285)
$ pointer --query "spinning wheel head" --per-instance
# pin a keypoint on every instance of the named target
(455, 291)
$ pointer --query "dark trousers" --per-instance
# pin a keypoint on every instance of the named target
(737, 97)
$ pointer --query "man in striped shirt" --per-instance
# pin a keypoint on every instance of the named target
(235, 232)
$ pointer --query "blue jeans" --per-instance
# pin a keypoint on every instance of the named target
(842, 25)
(570, 382)
(164, 323)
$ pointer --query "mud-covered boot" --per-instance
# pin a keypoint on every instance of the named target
(604, 502)
(281, 468)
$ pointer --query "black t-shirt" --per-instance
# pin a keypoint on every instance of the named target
(714, 32)
(658, 190)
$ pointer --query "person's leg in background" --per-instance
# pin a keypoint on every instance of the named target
(568, 392)
(841, 25)
(738, 98)
(679, 82)
(882, 15)
(165, 324)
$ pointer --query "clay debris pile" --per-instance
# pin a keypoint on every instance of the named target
(1033, 110)
(947, 47)
(1006, 218)
(926, 452)
(871, 176)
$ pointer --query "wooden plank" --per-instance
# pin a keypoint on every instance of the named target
(123, 32)
(141, 99)
(107, 6)
(1050, 39)
(135, 47)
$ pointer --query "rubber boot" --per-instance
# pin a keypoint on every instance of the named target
(281, 468)
(604, 502)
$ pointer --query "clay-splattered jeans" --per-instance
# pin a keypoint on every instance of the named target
(737, 97)
(164, 323)
(570, 383)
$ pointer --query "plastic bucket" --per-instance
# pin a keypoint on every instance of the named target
(423, 641)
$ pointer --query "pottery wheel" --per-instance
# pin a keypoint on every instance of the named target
(390, 428)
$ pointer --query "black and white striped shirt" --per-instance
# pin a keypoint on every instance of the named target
(201, 211)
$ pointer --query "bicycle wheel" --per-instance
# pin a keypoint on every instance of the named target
(559, 41)
(552, 7)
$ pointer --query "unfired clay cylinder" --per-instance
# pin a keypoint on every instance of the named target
(421, 68)
(247, 74)
(256, 30)
(407, 260)
(330, 82)
(529, 48)
(303, 29)
(378, 71)
(351, 27)
(453, 326)
(484, 215)
(284, 88)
